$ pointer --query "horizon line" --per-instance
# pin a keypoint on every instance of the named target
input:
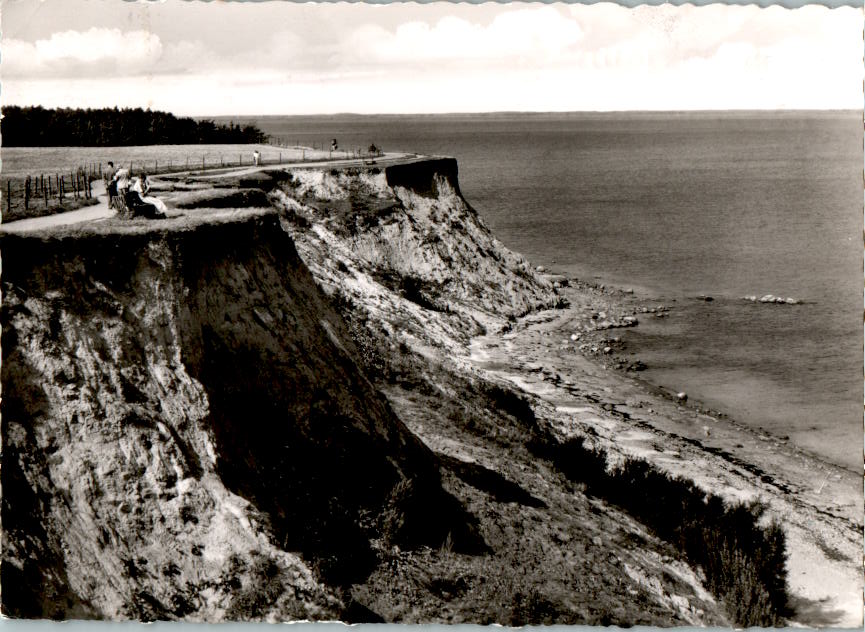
(466, 113)
(487, 112)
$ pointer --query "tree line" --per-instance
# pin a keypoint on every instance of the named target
(35, 126)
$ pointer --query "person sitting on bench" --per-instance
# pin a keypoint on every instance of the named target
(140, 204)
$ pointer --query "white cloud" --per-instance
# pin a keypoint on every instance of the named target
(541, 34)
(81, 53)
(99, 44)
(477, 58)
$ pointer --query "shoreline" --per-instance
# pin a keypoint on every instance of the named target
(634, 297)
(817, 502)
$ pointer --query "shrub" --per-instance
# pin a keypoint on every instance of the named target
(420, 513)
(509, 402)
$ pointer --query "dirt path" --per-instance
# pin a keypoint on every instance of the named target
(87, 214)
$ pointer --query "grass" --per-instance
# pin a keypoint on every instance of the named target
(23, 161)
(19, 162)
(743, 562)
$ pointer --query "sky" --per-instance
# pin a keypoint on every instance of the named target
(248, 58)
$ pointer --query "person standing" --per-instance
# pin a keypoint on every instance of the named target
(121, 179)
(110, 185)
(256, 157)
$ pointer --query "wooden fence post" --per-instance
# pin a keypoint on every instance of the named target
(45, 193)
(9, 197)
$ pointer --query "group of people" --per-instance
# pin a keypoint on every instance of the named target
(130, 196)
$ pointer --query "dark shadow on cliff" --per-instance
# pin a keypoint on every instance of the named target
(491, 482)
(298, 430)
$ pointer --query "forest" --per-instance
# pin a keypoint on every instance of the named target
(66, 127)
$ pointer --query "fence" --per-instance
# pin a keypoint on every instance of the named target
(43, 190)
(324, 147)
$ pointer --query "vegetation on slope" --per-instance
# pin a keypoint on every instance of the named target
(743, 562)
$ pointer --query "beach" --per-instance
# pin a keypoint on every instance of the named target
(587, 386)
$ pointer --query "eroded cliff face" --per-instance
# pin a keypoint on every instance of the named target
(404, 244)
(186, 431)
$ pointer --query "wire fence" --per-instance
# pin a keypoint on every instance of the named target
(66, 190)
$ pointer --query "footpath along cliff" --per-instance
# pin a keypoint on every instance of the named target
(268, 406)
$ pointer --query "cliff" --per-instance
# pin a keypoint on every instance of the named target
(183, 412)
(268, 406)
(405, 247)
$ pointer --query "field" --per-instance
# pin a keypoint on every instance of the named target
(19, 162)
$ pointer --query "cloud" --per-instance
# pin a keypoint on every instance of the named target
(468, 58)
(541, 35)
(81, 53)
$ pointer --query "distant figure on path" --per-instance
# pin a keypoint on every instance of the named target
(333, 145)
(256, 157)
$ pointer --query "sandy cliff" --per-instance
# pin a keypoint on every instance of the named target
(182, 410)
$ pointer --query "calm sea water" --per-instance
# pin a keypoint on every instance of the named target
(676, 205)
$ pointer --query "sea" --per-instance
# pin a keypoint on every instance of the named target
(676, 205)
